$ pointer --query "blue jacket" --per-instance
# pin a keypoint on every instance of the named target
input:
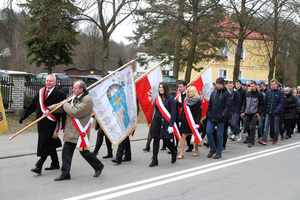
(274, 102)
(235, 101)
(219, 105)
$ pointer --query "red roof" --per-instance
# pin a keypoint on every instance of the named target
(231, 30)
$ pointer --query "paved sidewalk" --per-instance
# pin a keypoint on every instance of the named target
(26, 142)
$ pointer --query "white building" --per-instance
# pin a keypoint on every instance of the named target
(139, 70)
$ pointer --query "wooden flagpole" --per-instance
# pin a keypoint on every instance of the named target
(145, 74)
(69, 98)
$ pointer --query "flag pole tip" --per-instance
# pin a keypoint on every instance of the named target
(10, 137)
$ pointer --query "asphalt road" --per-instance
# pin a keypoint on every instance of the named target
(261, 172)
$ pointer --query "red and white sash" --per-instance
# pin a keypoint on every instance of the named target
(178, 98)
(83, 140)
(50, 116)
(196, 138)
(167, 116)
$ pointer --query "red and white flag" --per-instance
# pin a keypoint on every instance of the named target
(204, 87)
(147, 91)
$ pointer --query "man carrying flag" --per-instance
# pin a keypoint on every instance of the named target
(76, 134)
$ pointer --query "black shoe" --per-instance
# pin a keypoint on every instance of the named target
(287, 137)
(250, 144)
(153, 163)
(206, 144)
(163, 148)
(189, 150)
(126, 159)
(116, 161)
(37, 170)
(174, 157)
(169, 152)
(52, 167)
(147, 148)
(246, 141)
(108, 156)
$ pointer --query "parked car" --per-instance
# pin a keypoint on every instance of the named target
(173, 83)
(89, 79)
(248, 80)
(63, 82)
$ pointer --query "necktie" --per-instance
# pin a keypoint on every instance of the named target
(46, 95)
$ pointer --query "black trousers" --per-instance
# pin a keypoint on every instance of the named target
(250, 123)
(288, 124)
(67, 155)
(99, 141)
(54, 160)
(167, 142)
(124, 149)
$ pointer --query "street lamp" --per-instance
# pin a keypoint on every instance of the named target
(5, 52)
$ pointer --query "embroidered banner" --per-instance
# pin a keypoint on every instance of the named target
(115, 105)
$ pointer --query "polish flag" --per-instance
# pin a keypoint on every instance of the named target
(204, 87)
(147, 90)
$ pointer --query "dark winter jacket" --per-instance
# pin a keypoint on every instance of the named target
(290, 107)
(254, 103)
(219, 105)
(235, 101)
(242, 95)
(170, 105)
(274, 102)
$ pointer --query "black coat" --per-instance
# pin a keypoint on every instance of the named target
(290, 105)
(196, 111)
(46, 127)
(159, 125)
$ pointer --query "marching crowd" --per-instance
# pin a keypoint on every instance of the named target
(261, 113)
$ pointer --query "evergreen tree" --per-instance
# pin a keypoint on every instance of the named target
(51, 37)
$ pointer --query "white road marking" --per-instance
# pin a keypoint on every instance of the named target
(186, 174)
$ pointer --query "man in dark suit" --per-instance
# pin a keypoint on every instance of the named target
(182, 87)
(48, 127)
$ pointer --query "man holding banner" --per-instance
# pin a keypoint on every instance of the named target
(76, 134)
(48, 127)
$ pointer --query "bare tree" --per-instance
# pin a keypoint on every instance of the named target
(283, 26)
(111, 13)
(244, 12)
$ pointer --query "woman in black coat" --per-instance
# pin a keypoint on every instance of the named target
(289, 114)
(194, 103)
(160, 127)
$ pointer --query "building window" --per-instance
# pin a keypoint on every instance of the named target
(224, 52)
(242, 53)
(241, 74)
(223, 73)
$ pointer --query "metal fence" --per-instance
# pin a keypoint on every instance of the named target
(6, 91)
(32, 86)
